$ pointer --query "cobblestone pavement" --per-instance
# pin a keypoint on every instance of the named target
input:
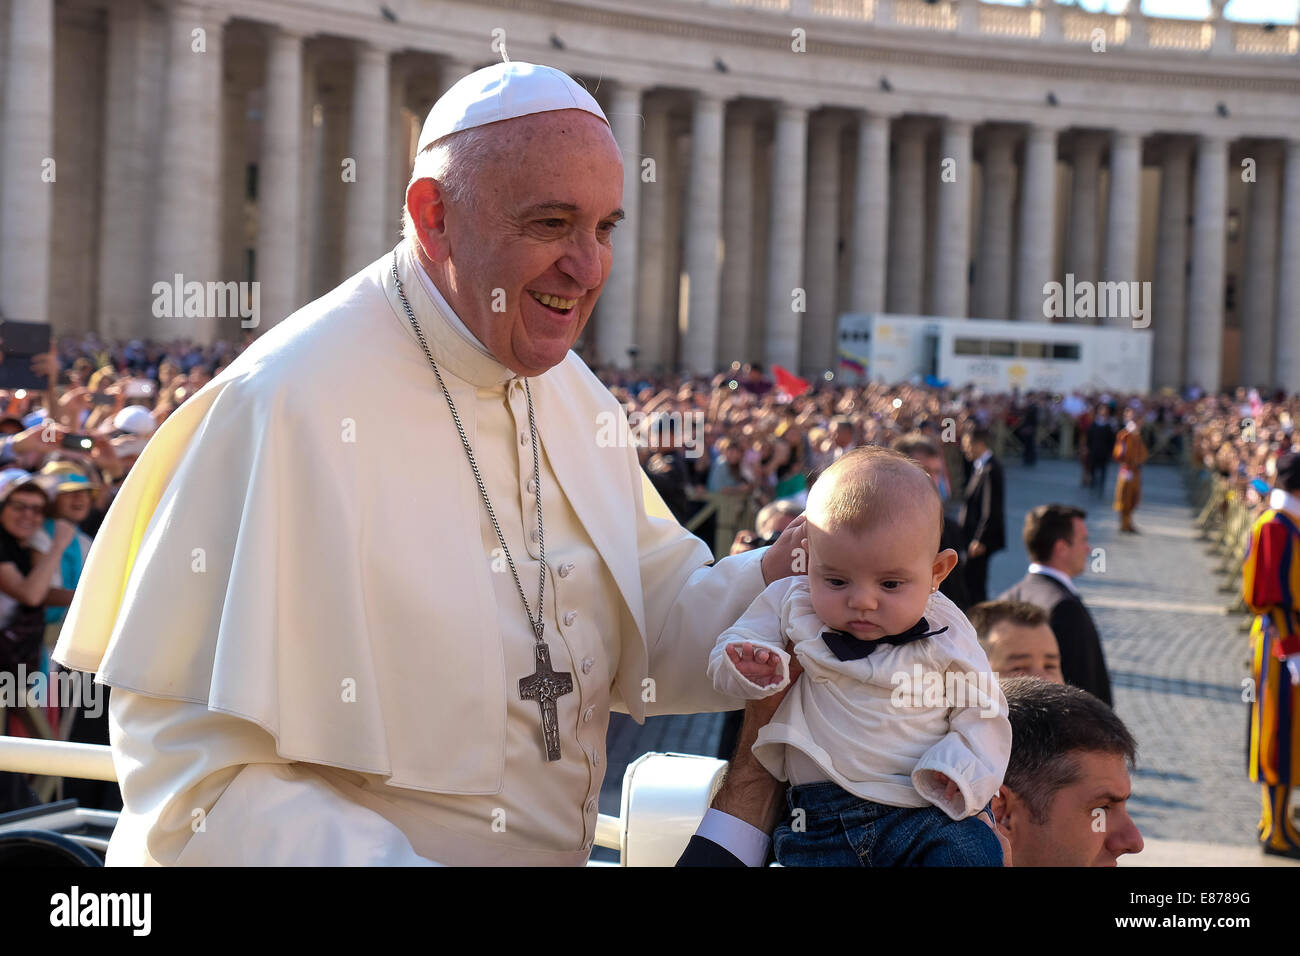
(1176, 661)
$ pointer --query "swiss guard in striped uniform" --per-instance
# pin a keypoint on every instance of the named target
(1271, 588)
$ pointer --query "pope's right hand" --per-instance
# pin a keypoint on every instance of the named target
(779, 559)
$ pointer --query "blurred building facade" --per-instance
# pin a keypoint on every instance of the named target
(786, 161)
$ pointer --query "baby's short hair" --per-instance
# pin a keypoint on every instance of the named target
(869, 486)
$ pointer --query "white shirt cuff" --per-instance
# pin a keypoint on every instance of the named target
(746, 843)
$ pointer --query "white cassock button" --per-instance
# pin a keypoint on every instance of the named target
(586, 715)
(570, 617)
(532, 485)
(565, 569)
(523, 438)
(591, 805)
(595, 759)
(586, 665)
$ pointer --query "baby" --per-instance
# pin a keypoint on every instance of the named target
(897, 734)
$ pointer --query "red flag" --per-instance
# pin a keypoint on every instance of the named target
(792, 385)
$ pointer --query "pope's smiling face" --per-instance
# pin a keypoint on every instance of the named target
(524, 262)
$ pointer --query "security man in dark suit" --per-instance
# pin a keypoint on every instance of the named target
(922, 450)
(1056, 537)
(1100, 440)
(983, 520)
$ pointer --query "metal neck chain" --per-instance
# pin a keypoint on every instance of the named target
(537, 474)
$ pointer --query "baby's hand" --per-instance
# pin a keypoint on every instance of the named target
(759, 665)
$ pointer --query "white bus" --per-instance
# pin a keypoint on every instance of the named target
(992, 355)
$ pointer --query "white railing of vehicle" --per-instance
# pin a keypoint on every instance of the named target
(609, 832)
(56, 758)
(53, 758)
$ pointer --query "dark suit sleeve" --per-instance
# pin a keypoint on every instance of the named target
(995, 535)
(1082, 664)
(702, 852)
(986, 503)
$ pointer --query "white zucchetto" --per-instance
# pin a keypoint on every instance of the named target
(504, 91)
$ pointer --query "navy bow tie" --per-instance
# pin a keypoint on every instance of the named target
(846, 647)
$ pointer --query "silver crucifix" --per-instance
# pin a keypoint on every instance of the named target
(544, 685)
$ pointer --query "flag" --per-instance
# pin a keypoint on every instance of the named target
(792, 385)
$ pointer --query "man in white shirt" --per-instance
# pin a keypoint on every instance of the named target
(1056, 537)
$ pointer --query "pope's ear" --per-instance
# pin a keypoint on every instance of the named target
(429, 215)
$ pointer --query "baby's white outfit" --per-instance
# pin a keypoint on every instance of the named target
(881, 725)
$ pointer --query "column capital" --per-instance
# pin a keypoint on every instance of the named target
(367, 49)
(874, 113)
(201, 13)
(278, 31)
(707, 99)
(629, 87)
(1044, 129)
(784, 109)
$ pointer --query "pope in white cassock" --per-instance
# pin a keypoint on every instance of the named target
(324, 647)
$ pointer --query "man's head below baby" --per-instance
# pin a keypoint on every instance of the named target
(874, 524)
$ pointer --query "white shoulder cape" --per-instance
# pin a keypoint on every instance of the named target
(259, 561)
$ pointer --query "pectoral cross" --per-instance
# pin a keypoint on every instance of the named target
(545, 686)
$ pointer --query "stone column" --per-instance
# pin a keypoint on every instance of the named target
(1081, 243)
(615, 333)
(817, 337)
(366, 236)
(1287, 370)
(235, 178)
(187, 231)
(1037, 223)
(1123, 212)
(734, 342)
(328, 238)
(703, 236)
(653, 242)
(1209, 224)
(907, 221)
(785, 246)
(1169, 324)
(1258, 290)
(952, 226)
(870, 215)
(309, 178)
(399, 159)
(997, 205)
(279, 212)
(26, 196)
(125, 232)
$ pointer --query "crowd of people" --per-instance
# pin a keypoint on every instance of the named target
(67, 449)
(64, 454)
